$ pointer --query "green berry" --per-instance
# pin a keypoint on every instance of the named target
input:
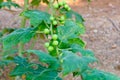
(61, 54)
(62, 18)
(66, 6)
(47, 44)
(52, 18)
(55, 43)
(56, 6)
(61, 60)
(69, 9)
(64, 3)
(54, 22)
(46, 31)
(55, 36)
(62, 22)
(61, 3)
(50, 48)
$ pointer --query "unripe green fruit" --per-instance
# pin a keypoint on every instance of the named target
(52, 18)
(50, 48)
(69, 9)
(46, 31)
(64, 2)
(47, 44)
(61, 54)
(61, 3)
(54, 22)
(55, 36)
(55, 43)
(56, 6)
(62, 22)
(61, 60)
(62, 18)
(66, 6)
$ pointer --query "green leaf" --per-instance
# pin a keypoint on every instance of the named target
(21, 61)
(21, 35)
(10, 51)
(4, 63)
(33, 71)
(1, 1)
(42, 26)
(36, 17)
(98, 75)
(78, 48)
(72, 41)
(8, 30)
(78, 41)
(15, 5)
(69, 30)
(21, 68)
(1, 34)
(72, 14)
(45, 1)
(46, 58)
(72, 62)
(82, 27)
(38, 73)
(63, 45)
(46, 74)
(35, 2)
(9, 4)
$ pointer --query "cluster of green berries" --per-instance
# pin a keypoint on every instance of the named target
(54, 43)
(62, 4)
(55, 21)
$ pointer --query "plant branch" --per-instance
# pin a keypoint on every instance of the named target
(23, 23)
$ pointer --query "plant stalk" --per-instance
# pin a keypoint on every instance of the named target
(23, 23)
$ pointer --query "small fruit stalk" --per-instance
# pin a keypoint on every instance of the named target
(57, 19)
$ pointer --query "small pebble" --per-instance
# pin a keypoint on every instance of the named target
(114, 46)
(95, 31)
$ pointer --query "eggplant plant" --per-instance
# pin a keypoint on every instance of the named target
(65, 52)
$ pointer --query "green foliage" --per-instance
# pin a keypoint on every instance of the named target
(1, 34)
(36, 17)
(72, 14)
(8, 4)
(65, 50)
(78, 41)
(1, 1)
(33, 71)
(69, 30)
(4, 63)
(74, 63)
(37, 2)
(21, 35)
(78, 48)
(98, 75)
(46, 58)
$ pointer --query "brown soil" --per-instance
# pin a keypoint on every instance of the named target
(102, 20)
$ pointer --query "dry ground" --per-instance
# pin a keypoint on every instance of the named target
(103, 30)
